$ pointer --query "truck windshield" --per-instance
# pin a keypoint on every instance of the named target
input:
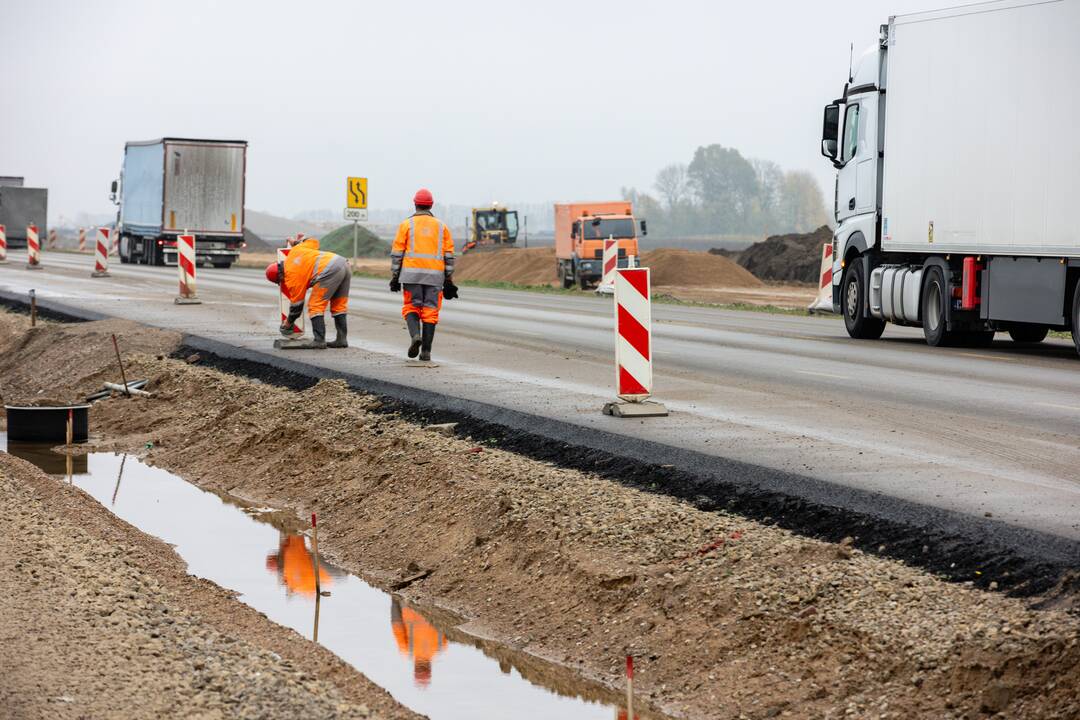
(619, 228)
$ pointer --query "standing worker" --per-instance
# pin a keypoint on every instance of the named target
(422, 264)
(328, 276)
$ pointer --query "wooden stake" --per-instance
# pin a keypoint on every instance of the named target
(315, 632)
(630, 687)
(118, 477)
(70, 427)
(315, 553)
(123, 376)
(33, 308)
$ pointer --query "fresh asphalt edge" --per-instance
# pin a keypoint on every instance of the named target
(955, 546)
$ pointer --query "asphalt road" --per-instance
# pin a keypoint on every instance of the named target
(982, 433)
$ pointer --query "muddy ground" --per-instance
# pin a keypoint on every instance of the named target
(100, 620)
(727, 618)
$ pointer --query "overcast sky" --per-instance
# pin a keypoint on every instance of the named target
(479, 101)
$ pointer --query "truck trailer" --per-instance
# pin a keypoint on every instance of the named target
(958, 171)
(173, 186)
(580, 231)
(21, 206)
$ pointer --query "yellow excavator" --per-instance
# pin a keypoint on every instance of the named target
(492, 228)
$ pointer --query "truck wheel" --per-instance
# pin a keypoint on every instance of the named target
(853, 300)
(125, 250)
(223, 265)
(1076, 318)
(583, 282)
(567, 282)
(1028, 333)
(934, 299)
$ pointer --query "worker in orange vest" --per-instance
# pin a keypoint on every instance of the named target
(328, 276)
(416, 637)
(295, 566)
(422, 265)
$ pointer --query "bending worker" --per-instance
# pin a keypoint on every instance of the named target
(328, 276)
(422, 264)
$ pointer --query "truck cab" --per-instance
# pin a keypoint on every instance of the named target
(580, 232)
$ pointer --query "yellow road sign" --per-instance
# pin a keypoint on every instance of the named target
(356, 193)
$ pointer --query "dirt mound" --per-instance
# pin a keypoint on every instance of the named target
(787, 258)
(690, 268)
(340, 241)
(520, 266)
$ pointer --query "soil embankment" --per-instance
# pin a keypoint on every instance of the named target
(727, 617)
(794, 258)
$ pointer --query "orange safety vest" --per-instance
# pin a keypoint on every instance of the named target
(423, 251)
(303, 262)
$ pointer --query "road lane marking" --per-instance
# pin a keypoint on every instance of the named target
(987, 357)
(821, 374)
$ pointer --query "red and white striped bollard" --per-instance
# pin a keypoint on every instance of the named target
(33, 248)
(82, 239)
(3, 245)
(185, 263)
(115, 241)
(101, 253)
(633, 346)
(609, 264)
(52, 239)
(823, 302)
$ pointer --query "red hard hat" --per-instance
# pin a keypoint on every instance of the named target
(423, 198)
(272, 273)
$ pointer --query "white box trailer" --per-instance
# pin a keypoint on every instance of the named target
(176, 185)
(958, 169)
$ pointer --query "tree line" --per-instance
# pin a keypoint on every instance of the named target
(720, 192)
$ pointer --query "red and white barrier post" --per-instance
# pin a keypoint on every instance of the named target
(52, 239)
(185, 262)
(609, 264)
(82, 239)
(115, 241)
(823, 302)
(33, 248)
(3, 245)
(283, 300)
(633, 346)
(101, 254)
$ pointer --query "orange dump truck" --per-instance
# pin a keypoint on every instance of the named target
(580, 231)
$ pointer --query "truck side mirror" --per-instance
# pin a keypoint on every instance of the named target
(830, 131)
(644, 228)
(113, 187)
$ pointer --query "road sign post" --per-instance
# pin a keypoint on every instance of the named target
(356, 209)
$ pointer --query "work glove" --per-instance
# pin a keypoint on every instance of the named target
(449, 291)
(287, 329)
(395, 286)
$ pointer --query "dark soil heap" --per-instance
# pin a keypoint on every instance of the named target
(785, 258)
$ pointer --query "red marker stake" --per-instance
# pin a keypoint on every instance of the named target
(630, 687)
(315, 553)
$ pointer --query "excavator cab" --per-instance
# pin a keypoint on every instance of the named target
(492, 228)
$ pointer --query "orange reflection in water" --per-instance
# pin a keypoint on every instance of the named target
(416, 638)
(295, 566)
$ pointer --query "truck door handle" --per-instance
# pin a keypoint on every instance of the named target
(851, 204)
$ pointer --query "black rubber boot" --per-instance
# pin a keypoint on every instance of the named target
(428, 336)
(341, 325)
(413, 321)
(318, 332)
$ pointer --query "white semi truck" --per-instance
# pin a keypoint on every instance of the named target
(176, 185)
(957, 148)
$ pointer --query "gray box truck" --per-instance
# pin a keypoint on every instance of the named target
(175, 185)
(958, 173)
(21, 206)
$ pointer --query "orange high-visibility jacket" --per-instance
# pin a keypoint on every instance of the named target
(303, 262)
(423, 252)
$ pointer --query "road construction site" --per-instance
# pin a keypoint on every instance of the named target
(552, 572)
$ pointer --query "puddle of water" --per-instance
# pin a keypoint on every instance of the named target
(261, 554)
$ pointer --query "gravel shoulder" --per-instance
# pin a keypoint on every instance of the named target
(728, 618)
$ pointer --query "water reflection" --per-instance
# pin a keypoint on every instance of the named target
(53, 463)
(263, 555)
(417, 639)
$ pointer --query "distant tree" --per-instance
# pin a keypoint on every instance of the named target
(802, 206)
(673, 185)
(725, 186)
